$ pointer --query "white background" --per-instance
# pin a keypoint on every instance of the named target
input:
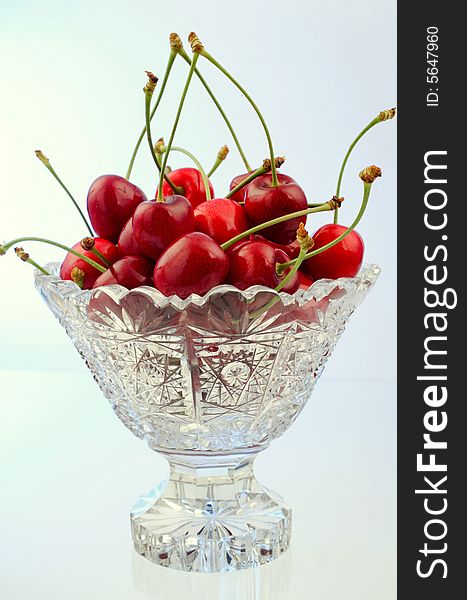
(71, 79)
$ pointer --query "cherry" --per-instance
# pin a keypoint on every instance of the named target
(221, 219)
(157, 224)
(342, 260)
(127, 244)
(304, 281)
(111, 202)
(263, 202)
(192, 183)
(193, 264)
(130, 272)
(106, 248)
(254, 263)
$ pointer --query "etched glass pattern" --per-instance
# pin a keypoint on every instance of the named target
(208, 382)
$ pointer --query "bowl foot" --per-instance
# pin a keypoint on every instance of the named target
(211, 515)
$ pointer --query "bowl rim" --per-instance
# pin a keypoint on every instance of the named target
(320, 288)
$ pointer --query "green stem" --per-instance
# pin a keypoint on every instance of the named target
(38, 267)
(366, 195)
(246, 181)
(298, 261)
(300, 213)
(168, 68)
(34, 264)
(253, 104)
(45, 161)
(185, 56)
(177, 119)
(215, 166)
(147, 115)
(370, 125)
(148, 97)
(220, 157)
(204, 177)
(5, 247)
(99, 255)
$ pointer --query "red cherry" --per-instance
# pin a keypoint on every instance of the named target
(304, 281)
(193, 264)
(111, 202)
(264, 203)
(240, 195)
(254, 263)
(221, 219)
(127, 244)
(342, 260)
(130, 272)
(191, 182)
(157, 224)
(106, 248)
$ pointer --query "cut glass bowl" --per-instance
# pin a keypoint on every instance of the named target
(208, 382)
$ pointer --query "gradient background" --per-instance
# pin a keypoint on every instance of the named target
(72, 78)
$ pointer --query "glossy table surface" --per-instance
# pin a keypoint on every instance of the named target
(70, 472)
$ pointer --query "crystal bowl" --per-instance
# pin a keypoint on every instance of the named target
(208, 382)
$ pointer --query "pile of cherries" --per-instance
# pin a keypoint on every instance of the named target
(175, 244)
(186, 240)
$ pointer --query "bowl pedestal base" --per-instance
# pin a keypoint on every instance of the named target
(211, 515)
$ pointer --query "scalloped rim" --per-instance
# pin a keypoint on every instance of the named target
(368, 274)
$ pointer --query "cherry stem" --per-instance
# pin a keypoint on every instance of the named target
(174, 127)
(293, 270)
(147, 107)
(204, 177)
(78, 276)
(330, 205)
(148, 97)
(99, 255)
(384, 115)
(212, 60)
(24, 256)
(366, 195)
(246, 181)
(168, 68)
(89, 244)
(215, 166)
(306, 243)
(220, 157)
(45, 161)
(38, 267)
(5, 247)
(185, 57)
